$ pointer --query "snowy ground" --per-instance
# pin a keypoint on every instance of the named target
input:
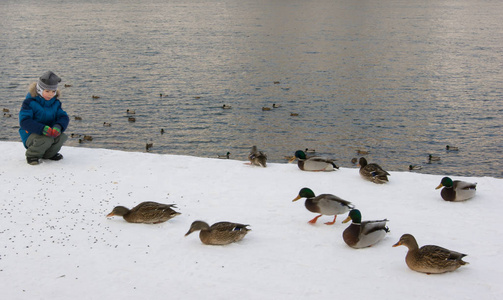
(56, 243)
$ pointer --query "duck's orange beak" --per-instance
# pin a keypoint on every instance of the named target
(347, 219)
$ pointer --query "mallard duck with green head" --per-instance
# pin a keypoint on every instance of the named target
(363, 234)
(415, 167)
(257, 158)
(456, 190)
(313, 163)
(221, 233)
(324, 204)
(372, 172)
(146, 212)
(226, 156)
(430, 259)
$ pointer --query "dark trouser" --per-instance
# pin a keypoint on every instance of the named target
(42, 146)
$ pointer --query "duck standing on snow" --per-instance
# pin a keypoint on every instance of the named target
(456, 190)
(363, 234)
(221, 233)
(430, 259)
(313, 163)
(372, 172)
(146, 212)
(324, 204)
(257, 158)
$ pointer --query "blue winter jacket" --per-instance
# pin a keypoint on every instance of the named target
(36, 113)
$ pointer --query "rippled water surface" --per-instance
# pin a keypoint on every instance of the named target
(400, 79)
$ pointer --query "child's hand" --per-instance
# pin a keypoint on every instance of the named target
(52, 132)
(56, 131)
(47, 131)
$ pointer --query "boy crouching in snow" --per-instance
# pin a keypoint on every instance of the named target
(42, 120)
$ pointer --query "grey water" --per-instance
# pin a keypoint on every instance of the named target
(400, 79)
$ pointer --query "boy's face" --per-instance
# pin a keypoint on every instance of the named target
(47, 95)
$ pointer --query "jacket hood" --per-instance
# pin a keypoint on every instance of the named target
(33, 90)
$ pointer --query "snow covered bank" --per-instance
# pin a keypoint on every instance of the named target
(56, 243)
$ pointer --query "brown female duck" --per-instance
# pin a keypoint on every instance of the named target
(146, 212)
(221, 233)
(372, 172)
(257, 158)
(430, 259)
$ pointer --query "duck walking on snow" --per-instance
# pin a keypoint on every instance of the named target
(146, 212)
(430, 259)
(221, 233)
(257, 158)
(456, 190)
(372, 172)
(363, 234)
(324, 204)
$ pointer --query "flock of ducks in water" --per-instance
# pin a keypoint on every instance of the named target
(264, 108)
(428, 259)
(6, 113)
(84, 137)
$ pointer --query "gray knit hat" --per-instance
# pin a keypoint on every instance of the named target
(49, 81)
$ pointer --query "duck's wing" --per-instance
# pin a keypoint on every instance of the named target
(437, 253)
(318, 163)
(377, 169)
(328, 200)
(463, 185)
(229, 226)
(368, 227)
